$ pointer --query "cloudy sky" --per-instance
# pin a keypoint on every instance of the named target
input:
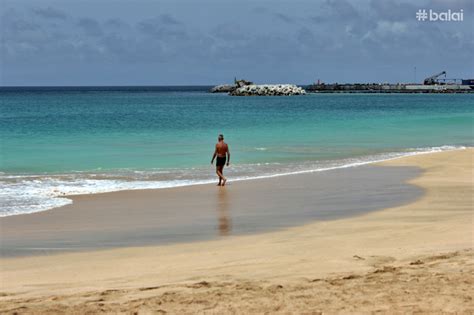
(175, 42)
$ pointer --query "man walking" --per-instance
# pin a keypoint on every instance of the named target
(223, 154)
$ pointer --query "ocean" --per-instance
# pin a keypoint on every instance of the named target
(64, 141)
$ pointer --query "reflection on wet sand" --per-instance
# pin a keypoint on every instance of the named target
(223, 212)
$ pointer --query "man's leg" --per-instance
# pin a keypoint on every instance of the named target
(221, 171)
(219, 175)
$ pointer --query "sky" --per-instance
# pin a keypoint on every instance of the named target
(206, 42)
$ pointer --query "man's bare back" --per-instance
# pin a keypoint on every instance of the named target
(221, 148)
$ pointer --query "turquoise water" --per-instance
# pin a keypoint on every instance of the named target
(70, 141)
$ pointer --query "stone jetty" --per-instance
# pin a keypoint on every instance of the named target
(268, 90)
(228, 88)
(223, 88)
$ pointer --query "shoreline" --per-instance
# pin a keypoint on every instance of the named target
(68, 198)
(400, 248)
(205, 212)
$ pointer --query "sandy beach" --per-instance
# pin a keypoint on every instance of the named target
(412, 258)
(205, 212)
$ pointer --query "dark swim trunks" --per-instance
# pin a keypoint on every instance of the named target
(220, 161)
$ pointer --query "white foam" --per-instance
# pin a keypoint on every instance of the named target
(360, 162)
(22, 194)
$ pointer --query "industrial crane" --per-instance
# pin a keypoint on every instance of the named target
(432, 80)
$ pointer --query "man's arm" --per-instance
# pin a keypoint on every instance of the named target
(214, 156)
(228, 156)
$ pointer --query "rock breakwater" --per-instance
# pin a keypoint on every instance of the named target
(268, 90)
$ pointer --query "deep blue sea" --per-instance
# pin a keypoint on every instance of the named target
(59, 141)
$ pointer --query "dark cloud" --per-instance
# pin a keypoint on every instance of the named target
(116, 23)
(229, 32)
(50, 13)
(285, 18)
(164, 27)
(90, 27)
(13, 23)
(393, 11)
(168, 19)
(342, 17)
(342, 9)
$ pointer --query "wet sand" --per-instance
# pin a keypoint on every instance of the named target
(415, 257)
(164, 216)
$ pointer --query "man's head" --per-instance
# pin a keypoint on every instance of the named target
(221, 137)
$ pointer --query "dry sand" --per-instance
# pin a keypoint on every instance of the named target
(413, 258)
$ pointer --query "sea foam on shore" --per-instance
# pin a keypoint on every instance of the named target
(21, 194)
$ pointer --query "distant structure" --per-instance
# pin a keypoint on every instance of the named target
(228, 88)
(433, 79)
(432, 84)
(240, 83)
